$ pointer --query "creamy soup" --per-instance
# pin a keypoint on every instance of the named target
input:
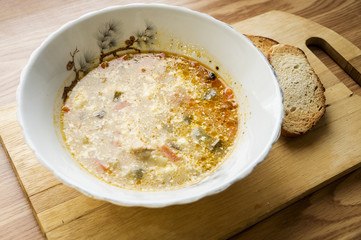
(150, 121)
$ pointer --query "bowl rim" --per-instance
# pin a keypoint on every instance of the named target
(142, 203)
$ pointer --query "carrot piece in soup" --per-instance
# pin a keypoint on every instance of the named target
(65, 108)
(101, 165)
(122, 105)
(169, 153)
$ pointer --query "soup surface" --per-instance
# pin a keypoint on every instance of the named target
(150, 121)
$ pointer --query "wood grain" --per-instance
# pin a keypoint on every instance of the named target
(336, 69)
(331, 213)
(15, 210)
(269, 188)
(28, 21)
(64, 213)
(24, 24)
(321, 215)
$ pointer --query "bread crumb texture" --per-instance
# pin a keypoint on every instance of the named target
(304, 99)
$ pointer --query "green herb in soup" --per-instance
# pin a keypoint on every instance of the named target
(160, 121)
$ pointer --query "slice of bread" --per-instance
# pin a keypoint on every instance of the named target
(304, 99)
(262, 43)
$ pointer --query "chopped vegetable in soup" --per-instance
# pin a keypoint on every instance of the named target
(150, 121)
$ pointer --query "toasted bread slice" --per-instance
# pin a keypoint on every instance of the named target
(262, 43)
(304, 99)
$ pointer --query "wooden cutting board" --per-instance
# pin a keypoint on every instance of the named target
(294, 168)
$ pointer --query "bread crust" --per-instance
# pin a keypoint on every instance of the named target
(298, 122)
(295, 123)
(262, 43)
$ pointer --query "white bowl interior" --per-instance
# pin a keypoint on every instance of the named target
(251, 75)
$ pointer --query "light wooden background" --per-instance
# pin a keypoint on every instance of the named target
(334, 210)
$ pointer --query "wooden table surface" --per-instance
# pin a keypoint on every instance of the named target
(333, 212)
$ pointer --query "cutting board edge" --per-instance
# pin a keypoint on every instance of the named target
(343, 173)
(35, 214)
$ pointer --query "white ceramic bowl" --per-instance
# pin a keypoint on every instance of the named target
(173, 29)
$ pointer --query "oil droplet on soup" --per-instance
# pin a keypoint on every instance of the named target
(150, 121)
